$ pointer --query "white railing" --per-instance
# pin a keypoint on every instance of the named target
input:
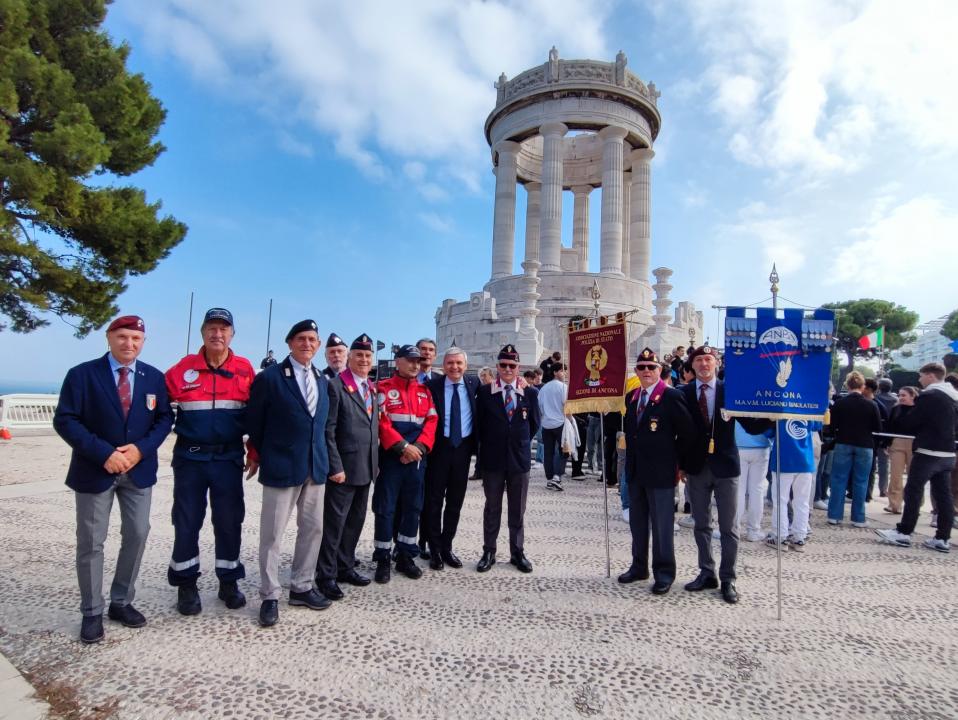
(27, 410)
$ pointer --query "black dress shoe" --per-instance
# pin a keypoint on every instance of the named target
(435, 561)
(521, 562)
(633, 574)
(487, 560)
(351, 577)
(408, 567)
(423, 552)
(660, 588)
(231, 595)
(383, 570)
(450, 558)
(702, 582)
(729, 594)
(91, 629)
(330, 589)
(268, 613)
(309, 599)
(188, 600)
(127, 615)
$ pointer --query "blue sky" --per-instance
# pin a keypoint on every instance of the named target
(330, 156)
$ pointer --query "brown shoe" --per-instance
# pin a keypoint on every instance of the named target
(891, 511)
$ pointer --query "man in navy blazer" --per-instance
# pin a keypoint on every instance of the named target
(114, 413)
(447, 474)
(508, 418)
(286, 415)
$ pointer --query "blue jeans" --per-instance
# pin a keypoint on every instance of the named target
(849, 464)
(540, 449)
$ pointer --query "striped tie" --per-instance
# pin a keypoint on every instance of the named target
(510, 402)
(124, 390)
(310, 391)
(367, 398)
(641, 404)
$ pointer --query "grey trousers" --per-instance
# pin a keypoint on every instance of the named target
(93, 523)
(701, 487)
(344, 514)
(278, 504)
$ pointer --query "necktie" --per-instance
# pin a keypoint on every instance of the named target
(704, 403)
(455, 418)
(510, 402)
(642, 401)
(367, 398)
(310, 391)
(124, 390)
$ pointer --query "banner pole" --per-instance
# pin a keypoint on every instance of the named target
(778, 513)
(605, 496)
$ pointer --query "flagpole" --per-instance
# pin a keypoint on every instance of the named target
(776, 505)
(189, 324)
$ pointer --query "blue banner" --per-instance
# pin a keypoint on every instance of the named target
(778, 367)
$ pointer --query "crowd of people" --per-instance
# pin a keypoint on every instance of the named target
(320, 441)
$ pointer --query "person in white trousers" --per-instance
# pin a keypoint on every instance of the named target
(796, 453)
(753, 453)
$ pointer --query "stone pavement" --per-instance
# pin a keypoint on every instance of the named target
(869, 631)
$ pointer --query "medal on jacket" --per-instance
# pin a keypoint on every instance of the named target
(653, 424)
(711, 446)
(150, 402)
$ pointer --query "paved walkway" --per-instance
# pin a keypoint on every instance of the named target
(869, 631)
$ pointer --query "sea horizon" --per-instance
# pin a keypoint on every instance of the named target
(9, 386)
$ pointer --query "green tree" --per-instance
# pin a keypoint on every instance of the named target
(950, 328)
(860, 317)
(73, 121)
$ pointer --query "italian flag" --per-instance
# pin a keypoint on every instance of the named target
(875, 339)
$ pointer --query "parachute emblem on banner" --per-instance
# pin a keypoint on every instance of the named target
(776, 343)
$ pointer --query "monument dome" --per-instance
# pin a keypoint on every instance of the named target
(573, 126)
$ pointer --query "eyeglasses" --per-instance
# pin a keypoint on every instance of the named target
(508, 366)
(645, 367)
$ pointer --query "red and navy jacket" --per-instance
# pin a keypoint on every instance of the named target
(406, 412)
(211, 411)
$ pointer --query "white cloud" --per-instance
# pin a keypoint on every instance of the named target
(781, 237)
(438, 223)
(813, 85)
(406, 82)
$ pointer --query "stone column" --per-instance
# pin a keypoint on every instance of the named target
(640, 231)
(504, 223)
(610, 257)
(550, 224)
(533, 200)
(626, 225)
(662, 302)
(580, 224)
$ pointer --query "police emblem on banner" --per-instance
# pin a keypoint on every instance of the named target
(597, 367)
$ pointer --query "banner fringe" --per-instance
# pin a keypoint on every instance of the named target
(600, 405)
(774, 416)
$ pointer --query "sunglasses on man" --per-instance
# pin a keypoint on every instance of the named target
(508, 366)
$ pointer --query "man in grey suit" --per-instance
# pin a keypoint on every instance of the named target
(352, 436)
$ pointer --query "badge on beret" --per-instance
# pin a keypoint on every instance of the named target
(190, 375)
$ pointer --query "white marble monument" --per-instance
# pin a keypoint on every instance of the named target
(577, 126)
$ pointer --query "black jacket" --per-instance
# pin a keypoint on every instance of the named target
(854, 419)
(653, 442)
(934, 418)
(504, 445)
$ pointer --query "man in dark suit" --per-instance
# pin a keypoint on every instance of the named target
(447, 474)
(286, 415)
(711, 465)
(657, 425)
(115, 414)
(508, 418)
(352, 436)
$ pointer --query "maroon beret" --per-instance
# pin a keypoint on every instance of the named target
(703, 350)
(127, 322)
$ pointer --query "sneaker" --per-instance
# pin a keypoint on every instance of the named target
(675, 528)
(754, 536)
(554, 485)
(937, 544)
(796, 545)
(820, 505)
(578, 477)
(893, 537)
(863, 524)
(891, 511)
(625, 514)
(934, 520)
(771, 541)
(687, 522)
(834, 522)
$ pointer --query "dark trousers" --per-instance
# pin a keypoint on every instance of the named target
(652, 510)
(611, 424)
(582, 425)
(515, 486)
(553, 457)
(701, 488)
(344, 514)
(192, 480)
(446, 480)
(937, 471)
(403, 484)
